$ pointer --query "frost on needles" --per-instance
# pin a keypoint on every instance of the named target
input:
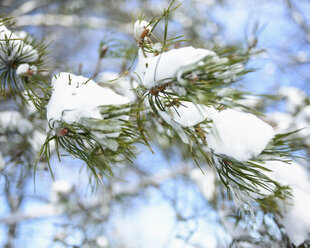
(239, 135)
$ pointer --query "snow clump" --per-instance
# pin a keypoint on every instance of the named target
(23, 69)
(15, 47)
(294, 212)
(155, 71)
(238, 135)
(139, 29)
(75, 97)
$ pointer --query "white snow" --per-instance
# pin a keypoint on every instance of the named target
(75, 97)
(140, 68)
(26, 68)
(282, 173)
(296, 217)
(22, 69)
(295, 98)
(122, 86)
(23, 34)
(17, 47)
(154, 71)
(139, 27)
(157, 47)
(239, 135)
(189, 114)
(294, 212)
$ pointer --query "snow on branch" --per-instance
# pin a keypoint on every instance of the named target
(21, 61)
(90, 122)
(190, 91)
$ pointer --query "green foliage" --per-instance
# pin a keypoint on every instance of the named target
(211, 82)
(250, 180)
(98, 142)
(32, 85)
(149, 38)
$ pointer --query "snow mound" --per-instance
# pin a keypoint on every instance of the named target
(294, 212)
(22, 69)
(239, 135)
(15, 47)
(296, 216)
(154, 71)
(74, 97)
(282, 173)
(139, 27)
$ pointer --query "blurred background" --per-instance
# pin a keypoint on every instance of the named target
(162, 200)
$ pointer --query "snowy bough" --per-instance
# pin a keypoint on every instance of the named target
(190, 92)
(175, 94)
(90, 122)
(22, 65)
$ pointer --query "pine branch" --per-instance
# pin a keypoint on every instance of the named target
(98, 142)
(16, 52)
